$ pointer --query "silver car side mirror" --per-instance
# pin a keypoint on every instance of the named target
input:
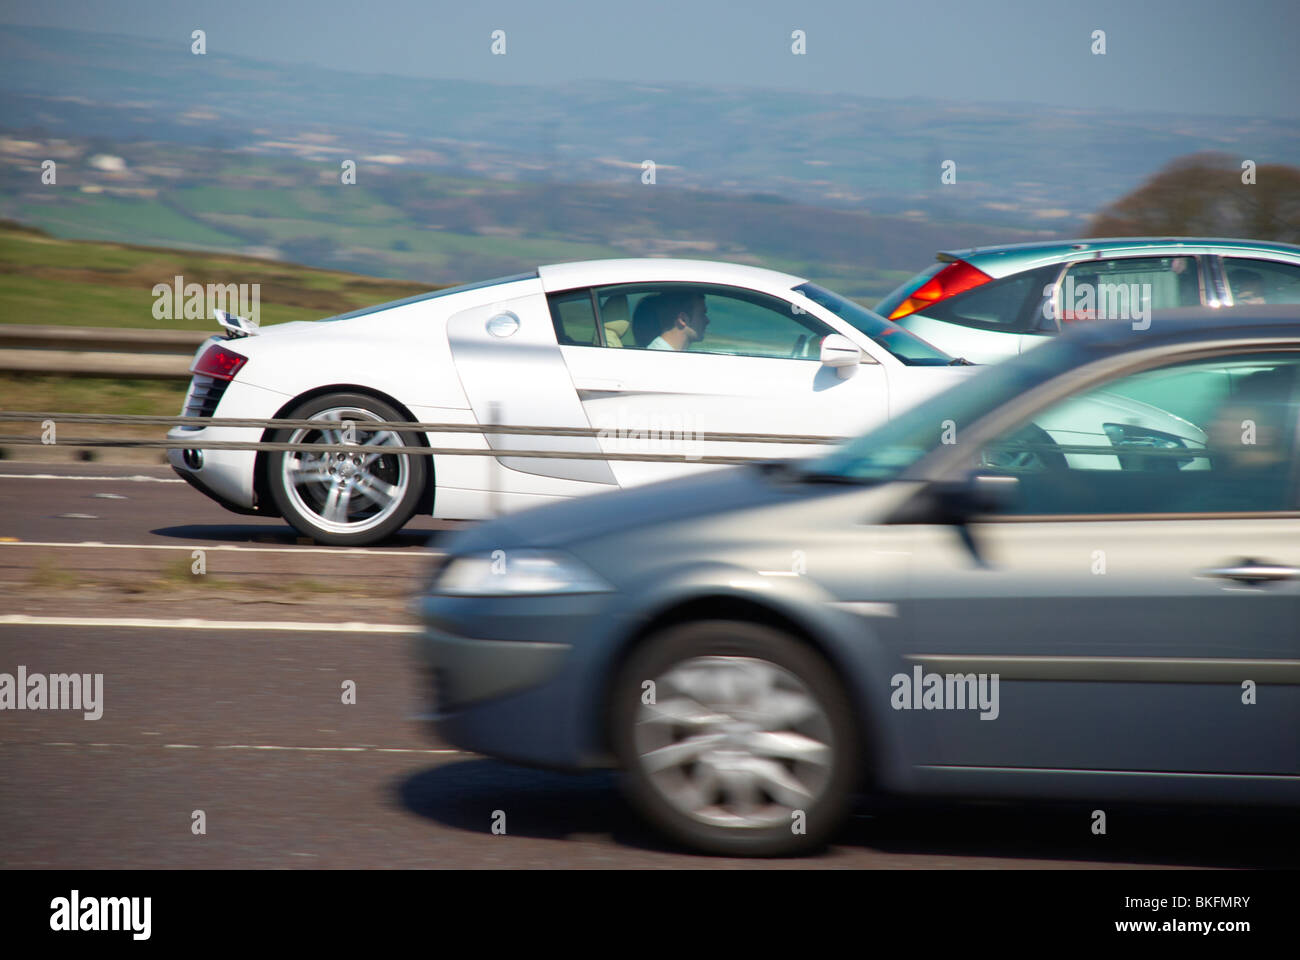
(840, 352)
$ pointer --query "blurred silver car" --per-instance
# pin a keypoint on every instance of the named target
(959, 603)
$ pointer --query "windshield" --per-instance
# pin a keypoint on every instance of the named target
(903, 344)
(884, 453)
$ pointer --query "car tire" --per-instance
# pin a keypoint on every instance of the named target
(341, 499)
(756, 693)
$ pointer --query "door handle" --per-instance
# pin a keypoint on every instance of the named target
(1253, 572)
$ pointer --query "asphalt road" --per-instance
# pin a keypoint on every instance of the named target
(248, 725)
(155, 508)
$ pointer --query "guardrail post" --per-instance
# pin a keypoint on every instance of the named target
(494, 471)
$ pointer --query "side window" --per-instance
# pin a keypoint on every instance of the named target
(1210, 436)
(707, 318)
(1262, 281)
(574, 318)
(1127, 288)
(1011, 305)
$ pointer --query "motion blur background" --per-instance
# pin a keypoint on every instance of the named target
(474, 164)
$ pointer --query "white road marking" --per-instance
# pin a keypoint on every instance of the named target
(259, 746)
(99, 544)
(137, 478)
(193, 623)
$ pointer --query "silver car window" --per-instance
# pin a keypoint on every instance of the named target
(1215, 435)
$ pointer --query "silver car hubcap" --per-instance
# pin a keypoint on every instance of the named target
(734, 742)
(340, 491)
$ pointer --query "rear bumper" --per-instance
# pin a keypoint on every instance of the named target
(176, 459)
(227, 476)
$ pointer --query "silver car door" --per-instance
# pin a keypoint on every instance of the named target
(1141, 609)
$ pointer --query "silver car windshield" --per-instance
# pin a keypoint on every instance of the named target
(890, 449)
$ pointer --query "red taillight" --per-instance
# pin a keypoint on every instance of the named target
(958, 277)
(220, 363)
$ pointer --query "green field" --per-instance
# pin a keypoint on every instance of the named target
(46, 280)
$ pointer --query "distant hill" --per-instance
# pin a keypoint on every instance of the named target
(1023, 166)
(421, 225)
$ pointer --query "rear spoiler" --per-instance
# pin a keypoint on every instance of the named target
(236, 327)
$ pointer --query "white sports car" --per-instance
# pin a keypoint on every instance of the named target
(649, 353)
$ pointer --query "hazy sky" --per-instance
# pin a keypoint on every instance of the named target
(1207, 56)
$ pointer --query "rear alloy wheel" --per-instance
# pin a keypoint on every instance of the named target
(750, 747)
(343, 498)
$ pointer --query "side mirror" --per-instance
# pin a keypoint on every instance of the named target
(956, 503)
(840, 352)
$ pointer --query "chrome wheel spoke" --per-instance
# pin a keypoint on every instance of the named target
(683, 711)
(384, 440)
(786, 745)
(683, 751)
(336, 503)
(308, 470)
(781, 784)
(378, 492)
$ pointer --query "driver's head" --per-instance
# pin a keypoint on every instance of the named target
(682, 316)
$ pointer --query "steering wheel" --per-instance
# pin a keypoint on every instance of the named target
(800, 343)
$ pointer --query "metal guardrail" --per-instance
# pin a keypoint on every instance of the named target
(131, 419)
(98, 351)
(397, 426)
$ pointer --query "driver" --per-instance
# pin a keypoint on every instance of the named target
(1247, 286)
(681, 319)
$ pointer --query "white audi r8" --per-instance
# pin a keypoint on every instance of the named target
(647, 353)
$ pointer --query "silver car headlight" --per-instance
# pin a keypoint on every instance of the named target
(516, 573)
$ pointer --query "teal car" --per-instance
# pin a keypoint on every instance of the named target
(989, 303)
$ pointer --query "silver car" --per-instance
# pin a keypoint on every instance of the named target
(959, 603)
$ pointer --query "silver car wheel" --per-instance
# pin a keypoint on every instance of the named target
(734, 742)
(345, 492)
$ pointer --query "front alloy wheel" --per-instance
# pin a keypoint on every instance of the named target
(744, 744)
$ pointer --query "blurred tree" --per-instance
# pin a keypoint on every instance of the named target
(1202, 195)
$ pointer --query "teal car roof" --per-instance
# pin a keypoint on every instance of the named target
(1010, 258)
